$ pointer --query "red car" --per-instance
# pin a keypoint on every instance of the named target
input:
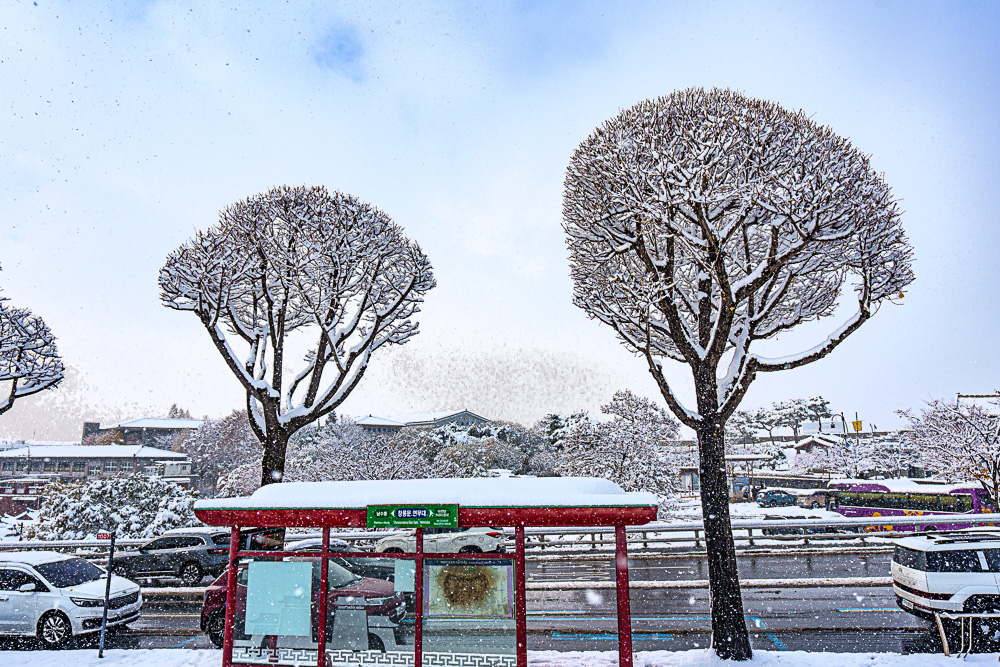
(381, 602)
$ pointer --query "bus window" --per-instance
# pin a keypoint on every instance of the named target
(926, 502)
(964, 503)
(949, 503)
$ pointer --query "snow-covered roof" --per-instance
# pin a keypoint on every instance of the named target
(477, 492)
(907, 485)
(413, 419)
(92, 452)
(32, 557)
(159, 423)
(377, 421)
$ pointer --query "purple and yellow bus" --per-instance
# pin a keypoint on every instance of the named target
(904, 497)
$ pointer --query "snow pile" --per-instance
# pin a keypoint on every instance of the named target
(696, 658)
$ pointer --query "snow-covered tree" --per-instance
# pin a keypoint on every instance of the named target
(177, 412)
(849, 457)
(637, 449)
(29, 361)
(959, 442)
(703, 222)
(305, 264)
(219, 446)
(136, 506)
(793, 414)
(474, 457)
(741, 430)
(818, 409)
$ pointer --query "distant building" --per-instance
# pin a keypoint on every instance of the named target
(164, 433)
(19, 495)
(69, 463)
(430, 419)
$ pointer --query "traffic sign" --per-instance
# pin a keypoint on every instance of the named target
(413, 516)
(104, 536)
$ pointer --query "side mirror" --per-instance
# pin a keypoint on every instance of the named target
(27, 588)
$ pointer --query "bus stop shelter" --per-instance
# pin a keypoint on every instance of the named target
(468, 608)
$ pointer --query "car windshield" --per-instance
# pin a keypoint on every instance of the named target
(338, 577)
(69, 572)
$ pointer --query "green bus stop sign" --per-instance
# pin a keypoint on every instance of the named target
(413, 516)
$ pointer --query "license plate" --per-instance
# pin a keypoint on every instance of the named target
(906, 603)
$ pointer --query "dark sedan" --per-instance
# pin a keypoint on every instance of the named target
(188, 555)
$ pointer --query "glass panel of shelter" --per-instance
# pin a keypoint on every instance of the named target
(468, 597)
(278, 601)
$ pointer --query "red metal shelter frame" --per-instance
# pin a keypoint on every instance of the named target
(468, 517)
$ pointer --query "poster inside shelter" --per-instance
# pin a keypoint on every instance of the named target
(279, 596)
(472, 588)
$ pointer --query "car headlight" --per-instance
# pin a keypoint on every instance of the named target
(88, 602)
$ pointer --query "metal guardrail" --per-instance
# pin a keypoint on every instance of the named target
(673, 536)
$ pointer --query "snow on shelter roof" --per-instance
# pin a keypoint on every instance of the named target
(528, 500)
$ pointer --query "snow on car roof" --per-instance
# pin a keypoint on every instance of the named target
(907, 485)
(952, 540)
(33, 557)
(480, 492)
(199, 530)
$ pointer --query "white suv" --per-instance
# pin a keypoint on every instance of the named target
(445, 541)
(955, 571)
(54, 596)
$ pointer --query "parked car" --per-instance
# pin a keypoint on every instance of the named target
(775, 498)
(55, 596)
(188, 554)
(445, 541)
(814, 498)
(954, 571)
(376, 568)
(384, 607)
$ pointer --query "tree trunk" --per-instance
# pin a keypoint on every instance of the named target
(730, 638)
(272, 466)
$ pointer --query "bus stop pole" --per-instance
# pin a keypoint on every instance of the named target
(107, 594)
(230, 616)
(418, 592)
(624, 611)
(520, 606)
(324, 598)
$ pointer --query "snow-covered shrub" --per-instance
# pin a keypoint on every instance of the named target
(474, 457)
(637, 450)
(137, 506)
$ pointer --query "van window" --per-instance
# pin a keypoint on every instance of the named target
(910, 558)
(953, 561)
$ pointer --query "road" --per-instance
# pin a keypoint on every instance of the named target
(831, 619)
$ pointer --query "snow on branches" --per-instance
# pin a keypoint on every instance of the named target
(701, 222)
(29, 361)
(959, 442)
(637, 449)
(137, 506)
(302, 262)
(219, 446)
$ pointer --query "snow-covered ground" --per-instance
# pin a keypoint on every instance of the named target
(697, 658)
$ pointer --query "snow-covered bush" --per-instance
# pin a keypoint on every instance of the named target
(137, 506)
(637, 450)
(474, 457)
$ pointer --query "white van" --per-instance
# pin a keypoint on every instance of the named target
(54, 596)
(954, 571)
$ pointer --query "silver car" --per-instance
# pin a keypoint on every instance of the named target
(54, 596)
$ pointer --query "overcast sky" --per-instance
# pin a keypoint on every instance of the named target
(128, 126)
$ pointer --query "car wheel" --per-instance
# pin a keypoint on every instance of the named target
(470, 549)
(216, 628)
(191, 574)
(119, 570)
(54, 629)
(375, 643)
(392, 550)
